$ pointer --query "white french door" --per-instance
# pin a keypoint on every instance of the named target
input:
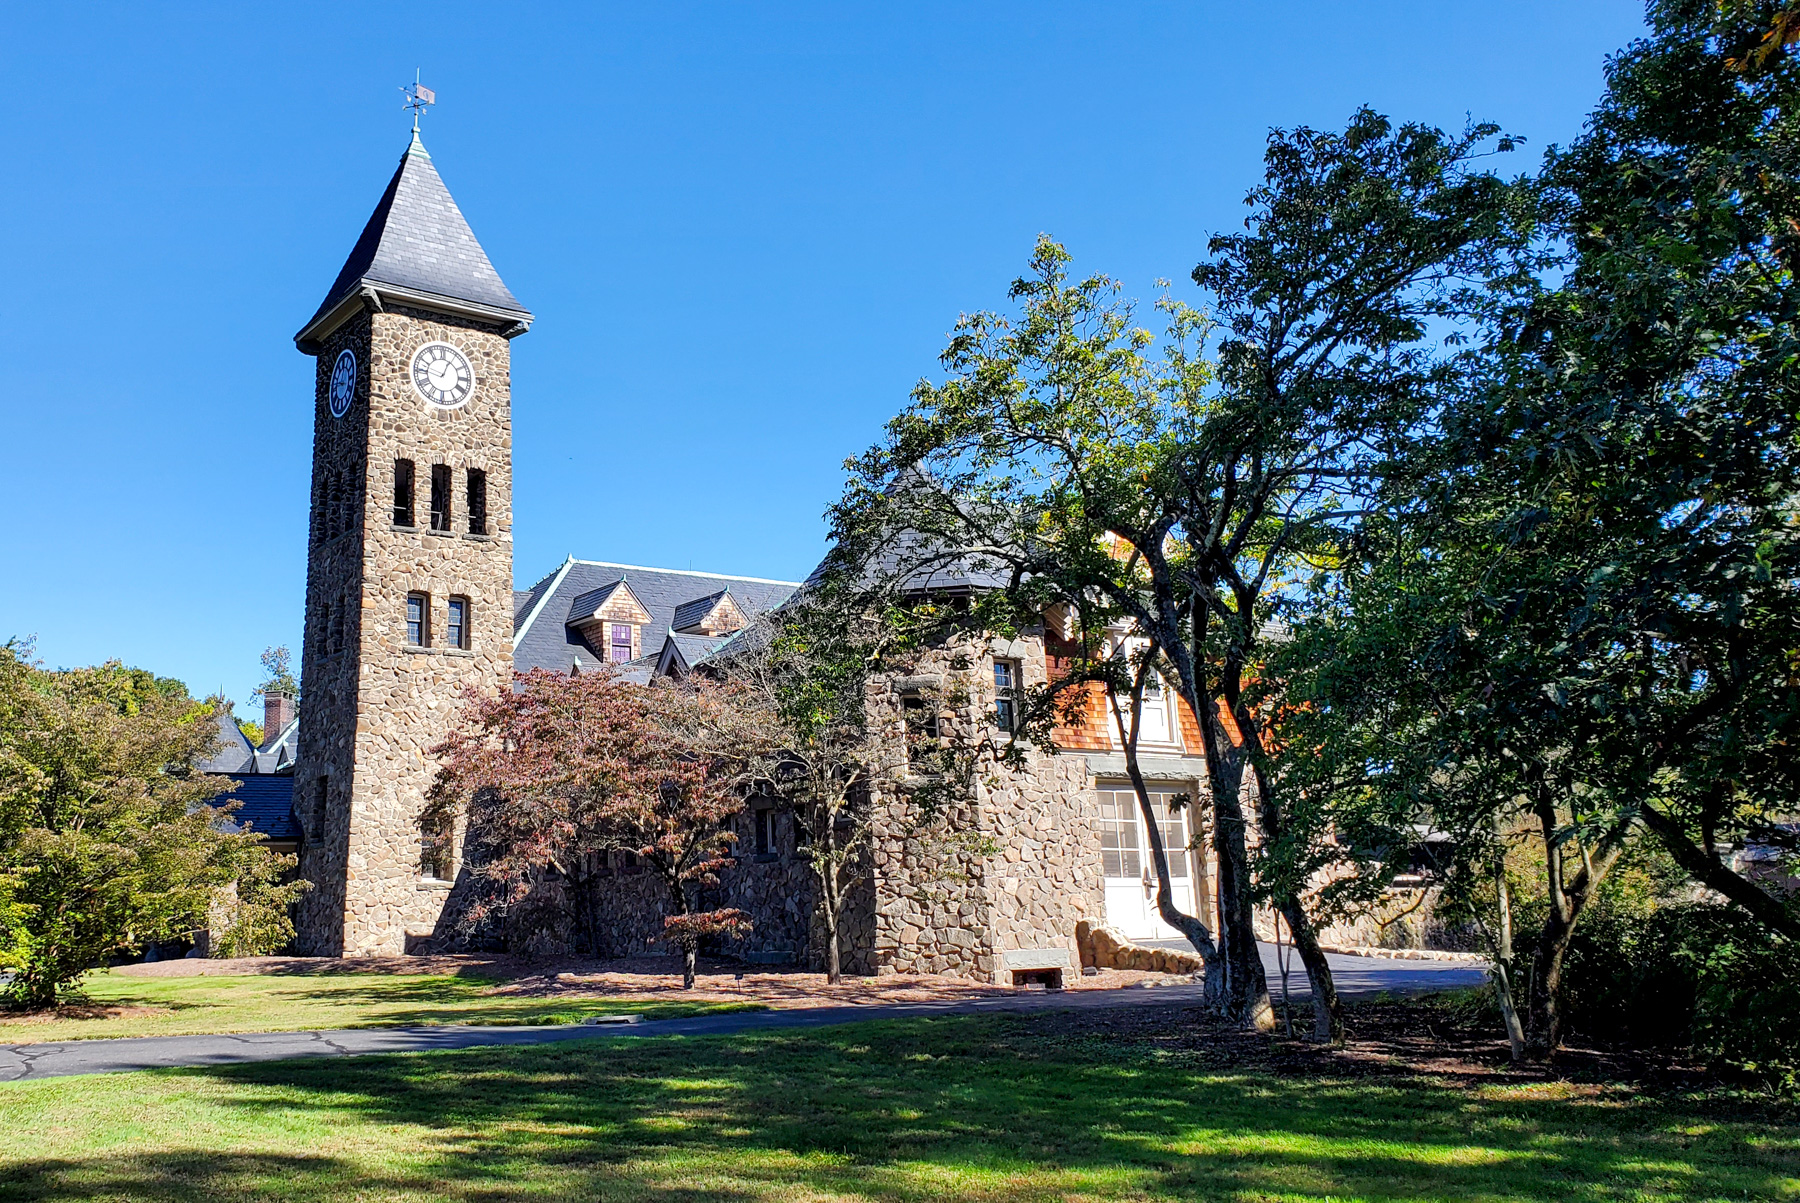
(1126, 865)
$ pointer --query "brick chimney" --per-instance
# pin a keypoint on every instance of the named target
(278, 712)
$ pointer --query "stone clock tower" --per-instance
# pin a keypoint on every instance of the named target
(409, 557)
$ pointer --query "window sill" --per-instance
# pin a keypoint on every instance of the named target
(411, 650)
(765, 858)
(475, 538)
(462, 653)
(409, 530)
(434, 883)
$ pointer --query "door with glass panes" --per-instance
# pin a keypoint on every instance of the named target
(1127, 867)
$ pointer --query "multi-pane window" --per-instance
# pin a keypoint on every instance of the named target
(403, 492)
(621, 643)
(456, 629)
(477, 502)
(435, 846)
(1120, 855)
(921, 733)
(440, 497)
(1006, 695)
(765, 832)
(322, 641)
(418, 619)
(336, 623)
(1123, 853)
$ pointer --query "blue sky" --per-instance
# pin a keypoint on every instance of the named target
(744, 229)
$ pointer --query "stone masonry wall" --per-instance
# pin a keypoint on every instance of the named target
(998, 881)
(388, 703)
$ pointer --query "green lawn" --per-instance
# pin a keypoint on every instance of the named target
(953, 1108)
(296, 1002)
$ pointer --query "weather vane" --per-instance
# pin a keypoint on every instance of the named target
(418, 97)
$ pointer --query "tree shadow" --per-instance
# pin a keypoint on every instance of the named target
(984, 1107)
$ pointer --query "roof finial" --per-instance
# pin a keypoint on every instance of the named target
(418, 96)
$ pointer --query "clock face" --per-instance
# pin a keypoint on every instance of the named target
(442, 375)
(343, 383)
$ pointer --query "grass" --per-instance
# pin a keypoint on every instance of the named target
(180, 1006)
(977, 1108)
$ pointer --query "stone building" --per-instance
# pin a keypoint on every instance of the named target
(995, 886)
(409, 556)
(409, 602)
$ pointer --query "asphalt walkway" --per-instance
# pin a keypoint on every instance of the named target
(19, 1062)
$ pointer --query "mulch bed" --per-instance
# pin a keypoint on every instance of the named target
(1392, 1038)
(638, 979)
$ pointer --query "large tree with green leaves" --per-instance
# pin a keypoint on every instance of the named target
(1067, 428)
(109, 837)
(1577, 614)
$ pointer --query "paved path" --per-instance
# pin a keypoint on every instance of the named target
(1357, 975)
(1362, 975)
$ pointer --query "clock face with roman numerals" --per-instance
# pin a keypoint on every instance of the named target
(343, 383)
(442, 375)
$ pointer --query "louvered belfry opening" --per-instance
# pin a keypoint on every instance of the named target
(440, 497)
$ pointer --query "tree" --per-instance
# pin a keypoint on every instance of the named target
(801, 679)
(1062, 432)
(278, 673)
(109, 838)
(1580, 597)
(254, 917)
(557, 774)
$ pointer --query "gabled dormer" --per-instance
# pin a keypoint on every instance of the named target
(713, 615)
(610, 620)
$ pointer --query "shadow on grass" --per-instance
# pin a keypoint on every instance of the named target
(912, 1110)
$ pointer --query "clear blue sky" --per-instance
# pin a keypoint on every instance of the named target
(744, 229)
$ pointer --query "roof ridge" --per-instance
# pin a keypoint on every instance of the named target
(520, 631)
(717, 576)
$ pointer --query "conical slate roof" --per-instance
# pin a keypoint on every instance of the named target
(417, 240)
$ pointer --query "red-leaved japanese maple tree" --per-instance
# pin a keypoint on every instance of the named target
(557, 773)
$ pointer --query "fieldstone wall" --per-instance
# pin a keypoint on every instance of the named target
(375, 706)
(996, 882)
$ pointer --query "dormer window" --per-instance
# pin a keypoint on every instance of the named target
(608, 620)
(715, 614)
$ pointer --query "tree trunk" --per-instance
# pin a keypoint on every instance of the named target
(1568, 900)
(1189, 926)
(1245, 990)
(1328, 1019)
(1503, 959)
(828, 878)
(689, 953)
(1328, 1016)
(1709, 871)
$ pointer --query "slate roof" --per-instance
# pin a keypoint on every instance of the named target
(588, 603)
(689, 613)
(267, 804)
(681, 652)
(278, 752)
(235, 753)
(417, 239)
(543, 639)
